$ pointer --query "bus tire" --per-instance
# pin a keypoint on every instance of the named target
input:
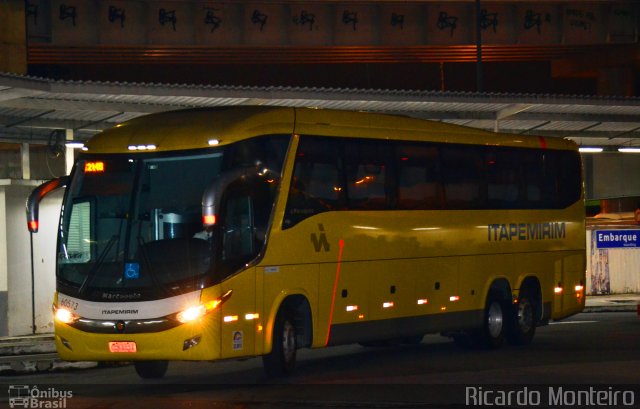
(281, 361)
(151, 369)
(523, 321)
(491, 335)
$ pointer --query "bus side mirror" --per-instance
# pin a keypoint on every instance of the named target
(33, 201)
(212, 196)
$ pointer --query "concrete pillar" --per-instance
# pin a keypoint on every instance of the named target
(69, 152)
(25, 160)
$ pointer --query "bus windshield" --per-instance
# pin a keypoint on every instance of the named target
(132, 225)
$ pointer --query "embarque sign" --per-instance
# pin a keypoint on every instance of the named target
(614, 239)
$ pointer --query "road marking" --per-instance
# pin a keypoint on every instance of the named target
(572, 322)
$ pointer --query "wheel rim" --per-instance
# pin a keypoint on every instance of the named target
(288, 342)
(494, 320)
(525, 315)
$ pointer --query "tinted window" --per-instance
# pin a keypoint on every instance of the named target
(316, 185)
(366, 171)
(463, 176)
(418, 172)
(366, 174)
(504, 178)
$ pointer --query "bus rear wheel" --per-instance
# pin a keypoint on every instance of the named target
(151, 369)
(523, 322)
(282, 359)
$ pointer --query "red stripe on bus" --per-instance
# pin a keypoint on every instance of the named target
(543, 142)
(335, 289)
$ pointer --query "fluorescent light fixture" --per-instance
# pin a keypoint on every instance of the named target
(590, 149)
(629, 150)
(74, 145)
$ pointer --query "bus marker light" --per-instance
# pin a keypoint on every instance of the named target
(123, 347)
(388, 304)
(579, 288)
(230, 318)
(213, 142)
(558, 290)
(423, 301)
(209, 219)
(33, 226)
(149, 147)
(252, 316)
(443, 308)
(352, 308)
(360, 316)
(454, 298)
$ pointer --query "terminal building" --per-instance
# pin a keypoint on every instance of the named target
(71, 68)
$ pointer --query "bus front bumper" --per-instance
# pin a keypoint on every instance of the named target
(193, 341)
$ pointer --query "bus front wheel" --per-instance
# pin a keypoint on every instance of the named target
(151, 369)
(491, 335)
(282, 358)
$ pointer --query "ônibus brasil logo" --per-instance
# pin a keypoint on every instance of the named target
(25, 396)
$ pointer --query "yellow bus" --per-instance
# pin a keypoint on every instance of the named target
(234, 232)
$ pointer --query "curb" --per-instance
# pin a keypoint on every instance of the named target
(611, 308)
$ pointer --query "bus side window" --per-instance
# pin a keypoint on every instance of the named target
(316, 185)
(417, 168)
(567, 177)
(366, 166)
(464, 177)
(503, 178)
(534, 180)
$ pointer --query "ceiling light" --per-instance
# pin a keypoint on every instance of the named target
(629, 150)
(590, 149)
(74, 145)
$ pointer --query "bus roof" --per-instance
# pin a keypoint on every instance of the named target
(199, 128)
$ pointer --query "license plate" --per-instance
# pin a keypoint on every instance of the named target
(123, 346)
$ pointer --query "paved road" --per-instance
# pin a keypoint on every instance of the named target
(598, 350)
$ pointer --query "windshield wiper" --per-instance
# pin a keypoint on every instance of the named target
(96, 267)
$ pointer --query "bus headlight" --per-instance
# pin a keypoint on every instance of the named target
(198, 311)
(191, 314)
(65, 316)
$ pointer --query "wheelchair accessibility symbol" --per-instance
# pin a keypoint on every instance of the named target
(131, 271)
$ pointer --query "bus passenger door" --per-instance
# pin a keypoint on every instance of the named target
(239, 247)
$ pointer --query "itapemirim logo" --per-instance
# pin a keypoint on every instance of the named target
(25, 396)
